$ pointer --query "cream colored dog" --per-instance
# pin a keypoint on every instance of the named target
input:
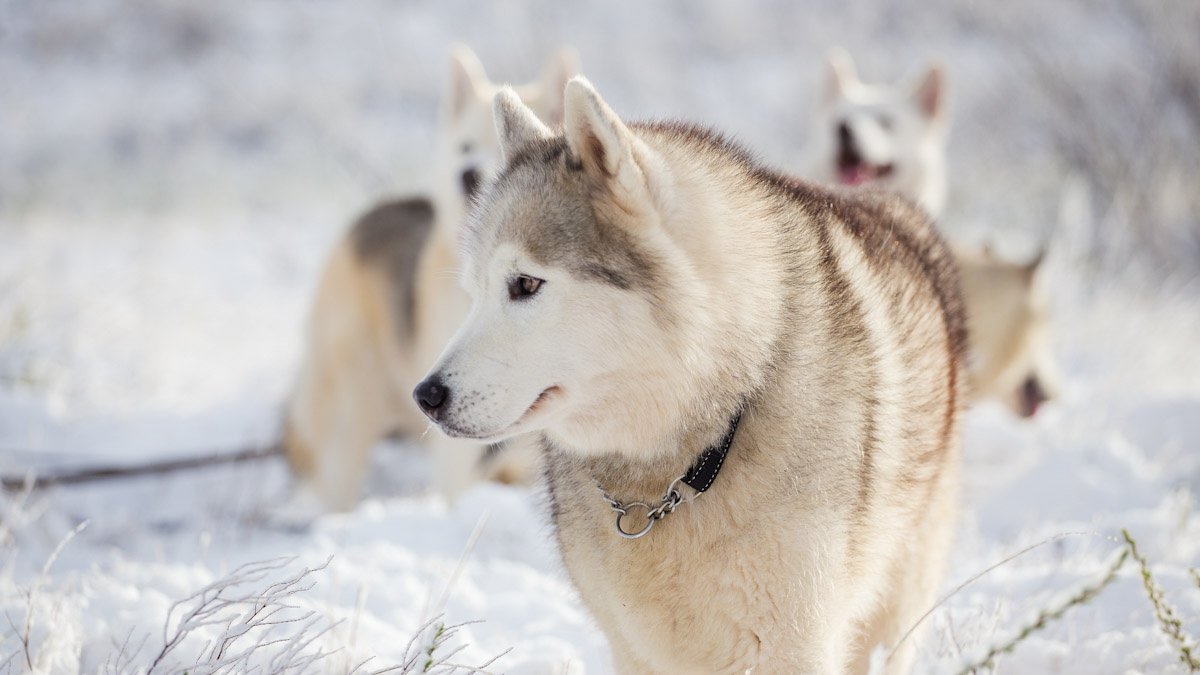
(1010, 358)
(384, 307)
(756, 380)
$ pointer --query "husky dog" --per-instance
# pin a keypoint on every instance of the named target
(892, 136)
(764, 378)
(1010, 356)
(383, 310)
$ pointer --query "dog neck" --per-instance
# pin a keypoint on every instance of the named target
(699, 477)
(695, 458)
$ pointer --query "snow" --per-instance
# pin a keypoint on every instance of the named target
(171, 175)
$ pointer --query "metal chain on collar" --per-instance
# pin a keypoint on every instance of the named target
(665, 507)
(699, 477)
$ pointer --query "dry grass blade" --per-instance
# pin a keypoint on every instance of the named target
(1086, 593)
(1168, 619)
(31, 597)
(975, 577)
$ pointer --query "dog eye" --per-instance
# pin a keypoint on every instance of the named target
(523, 286)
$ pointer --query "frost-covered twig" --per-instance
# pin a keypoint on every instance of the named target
(31, 595)
(1082, 596)
(246, 618)
(1168, 620)
(423, 655)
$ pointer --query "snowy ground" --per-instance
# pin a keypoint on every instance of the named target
(172, 174)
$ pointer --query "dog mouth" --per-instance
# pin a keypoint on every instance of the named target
(543, 399)
(539, 403)
(859, 172)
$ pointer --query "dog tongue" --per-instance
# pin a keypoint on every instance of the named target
(854, 175)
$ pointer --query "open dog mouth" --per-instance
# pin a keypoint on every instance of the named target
(857, 173)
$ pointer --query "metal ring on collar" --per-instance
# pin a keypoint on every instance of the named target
(624, 511)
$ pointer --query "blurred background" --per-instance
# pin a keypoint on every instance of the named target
(173, 174)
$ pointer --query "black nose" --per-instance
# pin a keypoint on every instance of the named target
(470, 182)
(431, 395)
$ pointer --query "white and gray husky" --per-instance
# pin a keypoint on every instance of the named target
(747, 388)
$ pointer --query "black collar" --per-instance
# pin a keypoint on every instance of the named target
(704, 471)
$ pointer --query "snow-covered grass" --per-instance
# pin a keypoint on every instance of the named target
(172, 173)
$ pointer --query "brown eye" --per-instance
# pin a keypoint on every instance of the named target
(523, 286)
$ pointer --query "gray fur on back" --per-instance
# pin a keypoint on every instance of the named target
(391, 236)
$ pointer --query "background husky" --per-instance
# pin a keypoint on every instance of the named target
(383, 309)
(634, 287)
(894, 136)
(890, 135)
(1007, 312)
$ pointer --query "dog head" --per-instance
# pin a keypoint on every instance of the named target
(468, 152)
(570, 256)
(1009, 324)
(891, 136)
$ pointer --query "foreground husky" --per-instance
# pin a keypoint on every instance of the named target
(769, 371)
(384, 308)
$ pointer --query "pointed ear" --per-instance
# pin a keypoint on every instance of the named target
(467, 80)
(1032, 267)
(841, 75)
(603, 145)
(553, 81)
(516, 125)
(929, 93)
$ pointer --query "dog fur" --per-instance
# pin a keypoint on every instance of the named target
(635, 285)
(383, 308)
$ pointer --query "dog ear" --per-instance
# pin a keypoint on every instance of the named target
(841, 75)
(467, 80)
(1033, 266)
(606, 149)
(553, 81)
(516, 125)
(929, 93)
